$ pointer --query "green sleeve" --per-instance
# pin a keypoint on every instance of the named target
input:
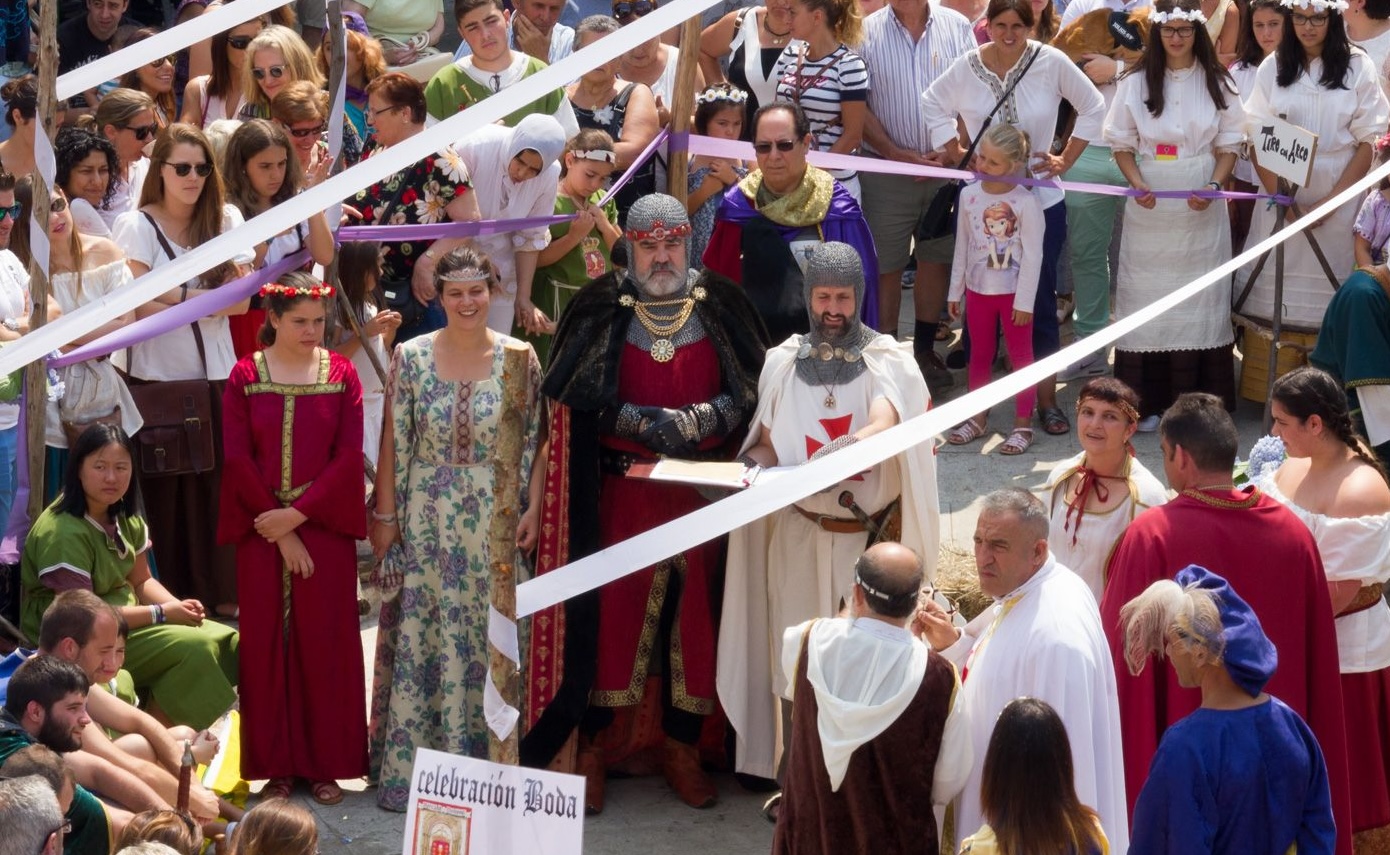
(91, 832)
(441, 101)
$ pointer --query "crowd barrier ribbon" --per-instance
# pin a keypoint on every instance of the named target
(738, 510)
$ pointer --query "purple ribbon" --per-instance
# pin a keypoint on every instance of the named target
(736, 150)
(636, 164)
(183, 314)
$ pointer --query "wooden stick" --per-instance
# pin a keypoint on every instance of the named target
(36, 375)
(683, 109)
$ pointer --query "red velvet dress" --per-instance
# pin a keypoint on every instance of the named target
(302, 683)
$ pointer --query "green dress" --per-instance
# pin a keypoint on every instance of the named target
(554, 284)
(190, 671)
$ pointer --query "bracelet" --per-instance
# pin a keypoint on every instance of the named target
(183, 292)
(1215, 185)
(386, 518)
(154, 615)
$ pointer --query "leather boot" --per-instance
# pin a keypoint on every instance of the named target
(590, 765)
(939, 378)
(681, 765)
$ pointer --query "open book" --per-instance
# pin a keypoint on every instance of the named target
(731, 475)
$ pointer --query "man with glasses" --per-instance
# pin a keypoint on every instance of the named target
(86, 38)
(30, 816)
(47, 704)
(770, 222)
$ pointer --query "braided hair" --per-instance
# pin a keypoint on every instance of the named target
(1308, 391)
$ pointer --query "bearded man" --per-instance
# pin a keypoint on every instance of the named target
(819, 392)
(660, 360)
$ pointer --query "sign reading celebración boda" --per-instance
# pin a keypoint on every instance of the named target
(462, 806)
(1286, 150)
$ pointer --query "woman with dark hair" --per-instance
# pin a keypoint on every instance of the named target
(452, 501)
(1176, 124)
(88, 171)
(1045, 76)
(181, 207)
(1028, 792)
(155, 78)
(1046, 22)
(359, 275)
(753, 38)
(1320, 82)
(293, 503)
(218, 94)
(94, 537)
(1333, 483)
(1261, 28)
(436, 189)
(21, 99)
(1105, 486)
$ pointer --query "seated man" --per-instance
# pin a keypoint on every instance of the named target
(30, 816)
(894, 709)
(47, 764)
(47, 704)
(769, 223)
(819, 392)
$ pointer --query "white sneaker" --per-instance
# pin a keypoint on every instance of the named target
(1091, 366)
(1148, 424)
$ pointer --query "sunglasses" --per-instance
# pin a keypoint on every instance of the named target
(301, 133)
(182, 169)
(172, 60)
(142, 132)
(239, 42)
(56, 205)
(13, 211)
(783, 146)
(629, 10)
(276, 71)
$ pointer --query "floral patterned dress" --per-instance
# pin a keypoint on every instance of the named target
(430, 185)
(432, 649)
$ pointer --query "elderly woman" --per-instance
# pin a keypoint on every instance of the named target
(1042, 77)
(1176, 124)
(1095, 495)
(434, 190)
(752, 38)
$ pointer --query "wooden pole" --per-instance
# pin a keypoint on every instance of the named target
(683, 108)
(36, 375)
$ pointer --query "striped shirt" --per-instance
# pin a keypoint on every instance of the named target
(820, 86)
(903, 68)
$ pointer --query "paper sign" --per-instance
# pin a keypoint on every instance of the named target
(1286, 150)
(462, 806)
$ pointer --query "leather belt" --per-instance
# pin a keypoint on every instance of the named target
(614, 462)
(834, 525)
(1367, 597)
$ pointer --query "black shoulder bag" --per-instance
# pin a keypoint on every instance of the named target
(939, 220)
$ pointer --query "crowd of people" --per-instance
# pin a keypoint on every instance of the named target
(456, 413)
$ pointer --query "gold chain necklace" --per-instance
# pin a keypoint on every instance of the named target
(661, 329)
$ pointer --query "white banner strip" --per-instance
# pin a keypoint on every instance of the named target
(738, 510)
(167, 43)
(501, 633)
(501, 716)
(341, 186)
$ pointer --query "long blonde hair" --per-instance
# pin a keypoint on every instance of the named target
(299, 64)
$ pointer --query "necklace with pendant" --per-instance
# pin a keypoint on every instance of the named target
(830, 388)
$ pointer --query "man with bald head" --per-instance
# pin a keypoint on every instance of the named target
(1042, 638)
(873, 703)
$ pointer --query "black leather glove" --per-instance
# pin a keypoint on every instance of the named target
(671, 432)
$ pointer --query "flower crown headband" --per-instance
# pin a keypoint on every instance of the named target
(1316, 5)
(1193, 15)
(723, 96)
(314, 292)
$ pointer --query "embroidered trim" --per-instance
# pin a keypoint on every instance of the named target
(632, 695)
(1225, 504)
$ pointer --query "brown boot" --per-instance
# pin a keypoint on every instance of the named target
(590, 765)
(681, 765)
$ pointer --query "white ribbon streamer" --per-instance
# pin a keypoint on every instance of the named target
(46, 164)
(501, 716)
(279, 218)
(738, 510)
(501, 633)
(167, 43)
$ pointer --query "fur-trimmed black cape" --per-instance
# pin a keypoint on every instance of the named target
(583, 375)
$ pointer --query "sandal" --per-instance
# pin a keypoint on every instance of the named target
(1019, 441)
(1054, 421)
(966, 432)
(277, 788)
(326, 792)
(772, 807)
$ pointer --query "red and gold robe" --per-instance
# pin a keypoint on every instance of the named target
(302, 679)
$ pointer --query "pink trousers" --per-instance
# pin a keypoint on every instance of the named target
(984, 315)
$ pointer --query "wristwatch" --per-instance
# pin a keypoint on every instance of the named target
(11, 324)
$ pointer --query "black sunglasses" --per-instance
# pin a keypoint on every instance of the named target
(276, 71)
(172, 60)
(182, 169)
(239, 42)
(766, 147)
(637, 9)
(12, 211)
(307, 132)
(56, 205)
(142, 132)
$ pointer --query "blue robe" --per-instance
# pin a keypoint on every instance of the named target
(1244, 782)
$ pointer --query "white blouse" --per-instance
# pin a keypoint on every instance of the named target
(1190, 125)
(1342, 118)
(1244, 76)
(174, 355)
(1353, 549)
(1032, 106)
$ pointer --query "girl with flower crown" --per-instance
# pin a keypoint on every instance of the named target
(719, 113)
(1176, 124)
(1317, 80)
(293, 504)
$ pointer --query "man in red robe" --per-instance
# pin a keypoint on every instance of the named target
(1263, 550)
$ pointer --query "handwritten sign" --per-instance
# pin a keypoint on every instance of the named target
(462, 806)
(1286, 150)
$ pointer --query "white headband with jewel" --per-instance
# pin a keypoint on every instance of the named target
(1316, 5)
(466, 274)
